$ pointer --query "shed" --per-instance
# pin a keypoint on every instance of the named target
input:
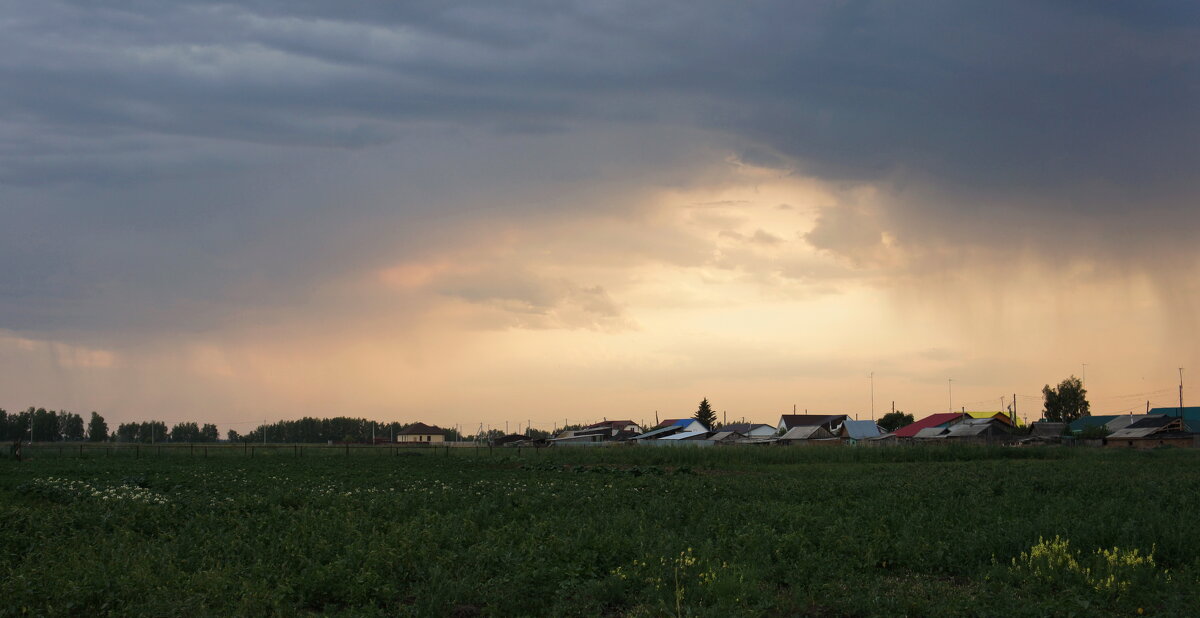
(727, 437)
(1047, 429)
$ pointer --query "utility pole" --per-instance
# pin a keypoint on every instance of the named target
(1083, 380)
(950, 389)
(872, 395)
(1014, 416)
(264, 432)
(1181, 392)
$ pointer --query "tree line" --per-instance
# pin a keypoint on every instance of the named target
(1064, 403)
(42, 425)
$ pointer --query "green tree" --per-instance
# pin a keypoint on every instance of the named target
(45, 425)
(233, 436)
(185, 432)
(209, 433)
(127, 432)
(70, 425)
(705, 414)
(1067, 402)
(894, 420)
(97, 429)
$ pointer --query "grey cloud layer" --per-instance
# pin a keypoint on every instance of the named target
(191, 156)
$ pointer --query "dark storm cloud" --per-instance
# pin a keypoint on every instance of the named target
(187, 155)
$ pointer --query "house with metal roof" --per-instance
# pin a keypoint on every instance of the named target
(808, 435)
(1001, 416)
(751, 430)
(933, 421)
(726, 436)
(979, 430)
(685, 424)
(852, 431)
(1189, 414)
(829, 421)
(926, 433)
(1154, 431)
(617, 429)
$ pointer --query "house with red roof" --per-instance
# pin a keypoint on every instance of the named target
(942, 420)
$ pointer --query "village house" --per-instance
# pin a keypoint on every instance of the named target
(751, 430)
(851, 431)
(987, 430)
(828, 421)
(1189, 414)
(1152, 432)
(808, 435)
(420, 432)
(933, 422)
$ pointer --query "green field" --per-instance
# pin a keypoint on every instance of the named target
(615, 531)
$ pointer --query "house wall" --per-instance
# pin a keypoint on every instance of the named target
(429, 438)
(1152, 442)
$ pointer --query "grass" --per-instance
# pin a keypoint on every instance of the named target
(599, 531)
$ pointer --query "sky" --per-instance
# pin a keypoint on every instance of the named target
(560, 212)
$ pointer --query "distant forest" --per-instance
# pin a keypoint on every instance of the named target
(42, 425)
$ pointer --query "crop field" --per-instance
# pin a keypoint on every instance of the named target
(605, 531)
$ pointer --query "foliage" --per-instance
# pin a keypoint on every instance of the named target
(894, 420)
(146, 432)
(1094, 432)
(97, 429)
(738, 531)
(1067, 402)
(705, 415)
(310, 430)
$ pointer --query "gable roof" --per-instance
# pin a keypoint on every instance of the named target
(860, 430)
(933, 420)
(658, 433)
(1151, 425)
(806, 432)
(725, 435)
(686, 435)
(421, 429)
(618, 425)
(977, 427)
(827, 421)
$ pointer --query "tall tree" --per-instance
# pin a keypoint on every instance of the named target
(45, 425)
(1067, 402)
(894, 420)
(185, 432)
(209, 433)
(705, 414)
(97, 428)
(70, 425)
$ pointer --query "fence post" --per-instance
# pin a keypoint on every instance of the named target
(347, 449)
(137, 451)
(81, 451)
